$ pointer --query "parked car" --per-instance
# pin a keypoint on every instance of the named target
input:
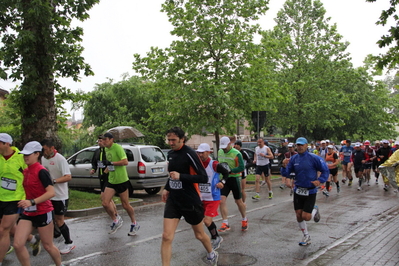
(251, 166)
(147, 168)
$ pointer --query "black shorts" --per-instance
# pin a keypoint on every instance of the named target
(103, 181)
(119, 188)
(60, 206)
(334, 171)
(358, 168)
(39, 220)
(367, 166)
(193, 214)
(232, 184)
(9, 208)
(304, 203)
(262, 169)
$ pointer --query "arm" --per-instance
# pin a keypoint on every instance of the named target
(45, 179)
(63, 164)
(94, 161)
(197, 171)
(240, 166)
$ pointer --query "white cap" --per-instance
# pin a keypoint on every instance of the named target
(385, 141)
(396, 142)
(330, 146)
(327, 140)
(4, 137)
(31, 147)
(357, 144)
(290, 145)
(203, 147)
(224, 142)
(323, 141)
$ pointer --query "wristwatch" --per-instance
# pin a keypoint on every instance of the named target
(54, 181)
(223, 181)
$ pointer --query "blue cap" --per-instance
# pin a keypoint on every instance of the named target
(301, 141)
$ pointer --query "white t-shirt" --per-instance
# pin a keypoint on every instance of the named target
(58, 166)
(260, 160)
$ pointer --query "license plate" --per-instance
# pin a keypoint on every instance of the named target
(157, 170)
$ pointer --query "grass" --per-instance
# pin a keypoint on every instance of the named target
(252, 177)
(79, 200)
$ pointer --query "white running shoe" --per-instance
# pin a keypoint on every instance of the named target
(67, 248)
(133, 229)
(305, 241)
(115, 226)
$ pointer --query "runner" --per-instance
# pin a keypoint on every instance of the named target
(359, 157)
(306, 166)
(383, 155)
(182, 197)
(368, 164)
(376, 161)
(346, 153)
(37, 207)
(233, 158)
(247, 160)
(210, 191)
(262, 158)
(280, 153)
(332, 163)
(291, 152)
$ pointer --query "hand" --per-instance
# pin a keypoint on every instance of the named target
(174, 175)
(288, 182)
(220, 185)
(24, 204)
(165, 195)
(106, 171)
(316, 183)
(92, 171)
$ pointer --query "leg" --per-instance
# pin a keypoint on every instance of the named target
(6, 225)
(169, 228)
(268, 181)
(112, 203)
(46, 235)
(202, 236)
(106, 199)
(241, 207)
(257, 183)
(24, 228)
(223, 207)
(243, 185)
(124, 196)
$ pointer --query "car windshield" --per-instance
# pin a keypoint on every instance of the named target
(152, 154)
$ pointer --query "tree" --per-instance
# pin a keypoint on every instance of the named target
(39, 46)
(203, 81)
(389, 60)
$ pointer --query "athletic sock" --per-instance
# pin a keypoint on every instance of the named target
(226, 222)
(303, 227)
(337, 183)
(314, 213)
(65, 233)
(213, 231)
(33, 240)
(327, 185)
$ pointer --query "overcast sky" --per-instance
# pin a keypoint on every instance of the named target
(117, 29)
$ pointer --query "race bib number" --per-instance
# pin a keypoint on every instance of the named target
(302, 191)
(205, 187)
(329, 162)
(175, 184)
(347, 154)
(9, 184)
(111, 168)
(100, 164)
(31, 209)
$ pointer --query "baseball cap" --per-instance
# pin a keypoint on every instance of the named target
(238, 142)
(284, 140)
(224, 142)
(4, 137)
(31, 147)
(108, 135)
(377, 142)
(367, 142)
(323, 141)
(301, 141)
(290, 145)
(385, 141)
(327, 140)
(357, 144)
(348, 140)
(203, 147)
(330, 146)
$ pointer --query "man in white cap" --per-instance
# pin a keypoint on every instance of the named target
(210, 191)
(383, 155)
(11, 192)
(233, 158)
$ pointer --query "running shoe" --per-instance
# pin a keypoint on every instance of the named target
(316, 217)
(216, 242)
(270, 194)
(213, 261)
(376, 181)
(322, 187)
(350, 183)
(10, 249)
(282, 186)
(244, 225)
(338, 189)
(329, 188)
(325, 193)
(359, 188)
(305, 240)
(343, 180)
(386, 187)
(67, 248)
(291, 191)
(263, 183)
(36, 248)
(115, 226)
(225, 227)
(133, 229)
(256, 196)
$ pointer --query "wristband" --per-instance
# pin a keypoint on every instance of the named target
(32, 201)
(223, 181)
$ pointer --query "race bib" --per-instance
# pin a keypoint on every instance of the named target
(100, 164)
(9, 184)
(292, 175)
(205, 187)
(111, 168)
(31, 209)
(302, 191)
(175, 184)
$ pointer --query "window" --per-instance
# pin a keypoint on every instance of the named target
(152, 154)
(84, 157)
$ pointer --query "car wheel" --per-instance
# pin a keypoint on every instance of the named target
(251, 170)
(153, 190)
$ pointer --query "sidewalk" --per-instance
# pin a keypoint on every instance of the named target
(375, 243)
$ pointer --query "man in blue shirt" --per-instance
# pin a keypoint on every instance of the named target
(306, 166)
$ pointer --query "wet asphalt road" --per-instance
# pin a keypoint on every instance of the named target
(272, 237)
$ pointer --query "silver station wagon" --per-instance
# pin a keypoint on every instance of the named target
(147, 168)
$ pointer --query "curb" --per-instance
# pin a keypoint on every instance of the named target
(98, 210)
